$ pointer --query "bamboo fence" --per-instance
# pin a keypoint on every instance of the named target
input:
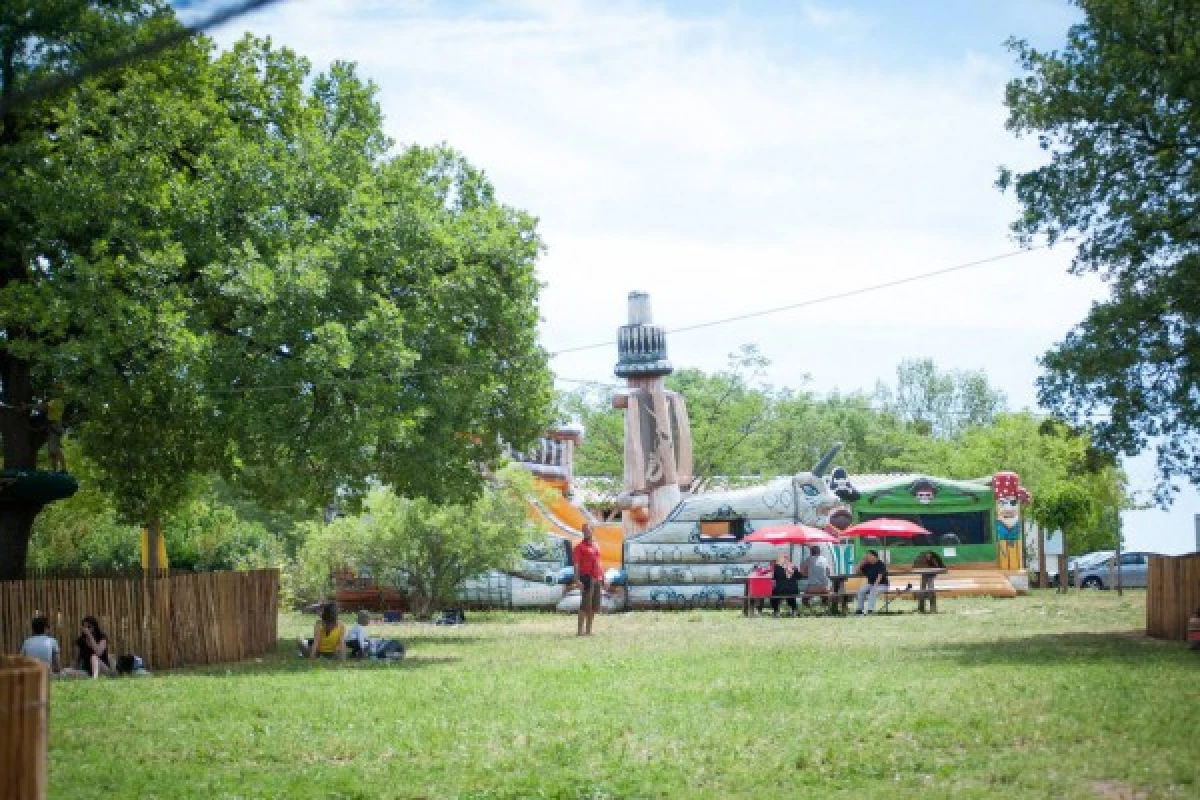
(169, 618)
(1172, 595)
(23, 717)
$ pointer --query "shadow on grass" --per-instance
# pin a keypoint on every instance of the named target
(1056, 649)
(287, 664)
(425, 641)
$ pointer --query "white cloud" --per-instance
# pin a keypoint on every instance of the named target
(832, 19)
(694, 156)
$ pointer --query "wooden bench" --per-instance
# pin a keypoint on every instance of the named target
(917, 593)
(919, 586)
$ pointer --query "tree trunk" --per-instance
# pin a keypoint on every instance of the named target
(1117, 562)
(21, 443)
(423, 604)
(16, 526)
(153, 535)
(1043, 579)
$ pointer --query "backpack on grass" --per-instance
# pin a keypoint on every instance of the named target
(130, 664)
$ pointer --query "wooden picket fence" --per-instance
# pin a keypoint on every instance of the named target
(1172, 595)
(169, 618)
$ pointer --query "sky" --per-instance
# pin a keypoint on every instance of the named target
(731, 157)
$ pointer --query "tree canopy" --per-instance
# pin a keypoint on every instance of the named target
(229, 269)
(1118, 112)
(939, 402)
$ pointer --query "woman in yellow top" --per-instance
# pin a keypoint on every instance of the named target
(329, 635)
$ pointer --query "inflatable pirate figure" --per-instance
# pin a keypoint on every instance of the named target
(839, 484)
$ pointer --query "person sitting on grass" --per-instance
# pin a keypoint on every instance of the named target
(42, 645)
(816, 569)
(358, 644)
(875, 572)
(786, 584)
(329, 635)
(93, 649)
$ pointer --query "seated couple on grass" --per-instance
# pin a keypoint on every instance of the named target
(786, 580)
(330, 640)
(95, 658)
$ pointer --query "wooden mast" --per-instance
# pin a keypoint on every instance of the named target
(657, 434)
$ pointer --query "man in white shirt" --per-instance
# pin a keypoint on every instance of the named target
(42, 646)
(816, 569)
(357, 643)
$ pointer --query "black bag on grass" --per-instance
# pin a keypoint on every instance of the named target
(130, 664)
(387, 649)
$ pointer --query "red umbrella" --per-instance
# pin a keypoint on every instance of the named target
(791, 534)
(896, 528)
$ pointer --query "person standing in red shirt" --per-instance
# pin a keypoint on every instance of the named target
(586, 557)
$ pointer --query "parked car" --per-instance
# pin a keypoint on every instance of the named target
(1133, 567)
(1086, 562)
(1074, 564)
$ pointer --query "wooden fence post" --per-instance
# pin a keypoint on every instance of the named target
(24, 702)
(1172, 595)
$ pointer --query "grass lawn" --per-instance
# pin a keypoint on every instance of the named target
(1041, 696)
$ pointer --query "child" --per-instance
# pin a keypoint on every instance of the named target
(357, 641)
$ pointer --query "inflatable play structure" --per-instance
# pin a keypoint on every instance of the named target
(672, 547)
(542, 574)
(678, 548)
(975, 526)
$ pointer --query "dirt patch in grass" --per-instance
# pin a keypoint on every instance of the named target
(1115, 790)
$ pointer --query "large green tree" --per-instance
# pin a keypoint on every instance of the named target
(1118, 112)
(233, 273)
(940, 402)
(1051, 458)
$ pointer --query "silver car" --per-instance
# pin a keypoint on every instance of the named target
(1076, 563)
(1087, 561)
(1133, 567)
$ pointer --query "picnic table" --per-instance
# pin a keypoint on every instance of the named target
(927, 591)
(760, 588)
(839, 598)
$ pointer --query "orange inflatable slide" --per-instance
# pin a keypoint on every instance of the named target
(558, 516)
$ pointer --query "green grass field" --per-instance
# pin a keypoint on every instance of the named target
(1042, 696)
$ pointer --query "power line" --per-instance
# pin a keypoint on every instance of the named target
(824, 298)
(57, 83)
(414, 373)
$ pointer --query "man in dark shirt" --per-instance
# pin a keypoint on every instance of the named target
(875, 571)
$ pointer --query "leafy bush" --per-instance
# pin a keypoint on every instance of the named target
(424, 548)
